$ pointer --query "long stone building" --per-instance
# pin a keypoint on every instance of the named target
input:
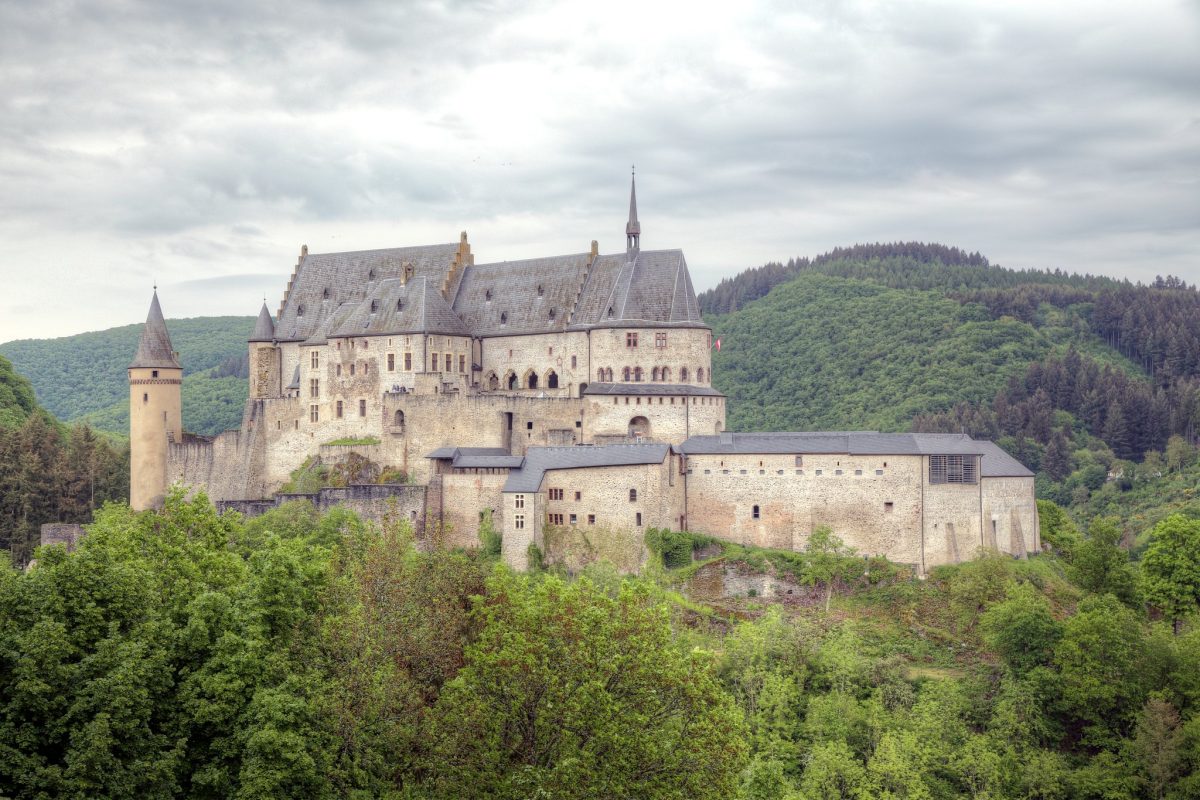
(570, 392)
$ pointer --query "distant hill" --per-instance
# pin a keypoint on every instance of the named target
(17, 398)
(82, 377)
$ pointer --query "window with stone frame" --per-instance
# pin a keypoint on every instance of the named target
(631, 339)
(314, 387)
(556, 519)
(519, 501)
(633, 495)
(408, 362)
(316, 359)
(556, 494)
(339, 409)
(391, 362)
(362, 408)
(660, 340)
(519, 521)
(314, 413)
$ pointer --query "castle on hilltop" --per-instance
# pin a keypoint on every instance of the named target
(570, 392)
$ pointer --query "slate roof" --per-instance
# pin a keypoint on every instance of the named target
(154, 346)
(398, 307)
(538, 460)
(653, 389)
(295, 384)
(998, 464)
(848, 442)
(450, 451)
(264, 327)
(652, 289)
(503, 298)
(325, 281)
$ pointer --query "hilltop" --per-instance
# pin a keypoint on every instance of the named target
(82, 377)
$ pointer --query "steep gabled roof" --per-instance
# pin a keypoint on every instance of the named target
(535, 295)
(325, 281)
(154, 346)
(398, 307)
(652, 289)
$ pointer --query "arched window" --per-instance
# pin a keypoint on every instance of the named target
(625, 374)
(654, 374)
(637, 374)
(666, 374)
(512, 380)
(487, 295)
(699, 374)
(503, 317)
(610, 312)
(493, 382)
(552, 380)
(540, 290)
(755, 513)
(398, 419)
(300, 310)
(552, 314)
(639, 428)
(633, 495)
(683, 375)
(371, 275)
(532, 380)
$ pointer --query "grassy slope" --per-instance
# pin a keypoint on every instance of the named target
(83, 376)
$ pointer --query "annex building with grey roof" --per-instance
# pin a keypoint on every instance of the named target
(563, 393)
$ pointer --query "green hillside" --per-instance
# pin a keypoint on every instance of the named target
(17, 400)
(83, 377)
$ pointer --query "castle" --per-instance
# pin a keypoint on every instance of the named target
(570, 392)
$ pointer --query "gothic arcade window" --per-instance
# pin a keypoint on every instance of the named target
(953, 469)
(625, 374)
(666, 374)
(683, 374)
(699, 374)
(552, 380)
(637, 374)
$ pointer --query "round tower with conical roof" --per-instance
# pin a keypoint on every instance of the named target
(155, 411)
(264, 357)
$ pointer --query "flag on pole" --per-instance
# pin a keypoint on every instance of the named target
(717, 345)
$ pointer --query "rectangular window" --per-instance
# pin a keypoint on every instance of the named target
(408, 362)
(638, 520)
(519, 522)
(953, 469)
(755, 513)
(462, 364)
(154, 372)
(312, 413)
(578, 496)
(837, 472)
(352, 369)
(339, 370)
(315, 359)
(858, 472)
(339, 409)
(573, 362)
(449, 362)
(314, 387)
(660, 340)
(519, 501)
(820, 472)
(888, 507)
(556, 519)
(631, 339)
(362, 408)
(556, 494)
(391, 362)
(878, 472)
(574, 519)
(633, 495)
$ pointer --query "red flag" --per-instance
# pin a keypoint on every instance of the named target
(718, 345)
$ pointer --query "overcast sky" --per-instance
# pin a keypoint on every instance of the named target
(199, 144)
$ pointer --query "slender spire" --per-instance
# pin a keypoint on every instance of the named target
(264, 328)
(154, 348)
(633, 228)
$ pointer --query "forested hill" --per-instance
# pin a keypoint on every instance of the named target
(899, 265)
(1089, 381)
(82, 377)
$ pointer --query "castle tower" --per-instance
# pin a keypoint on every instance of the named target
(264, 357)
(633, 228)
(155, 411)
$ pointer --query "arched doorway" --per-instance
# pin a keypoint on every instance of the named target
(639, 428)
(398, 420)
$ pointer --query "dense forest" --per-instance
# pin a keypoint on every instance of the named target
(48, 472)
(182, 654)
(82, 377)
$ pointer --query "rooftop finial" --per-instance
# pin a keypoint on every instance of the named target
(633, 228)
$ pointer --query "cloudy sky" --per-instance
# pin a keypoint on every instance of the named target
(199, 144)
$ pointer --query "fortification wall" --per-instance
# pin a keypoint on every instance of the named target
(464, 497)
(873, 505)
(668, 419)
(1010, 515)
(953, 525)
(565, 353)
(372, 502)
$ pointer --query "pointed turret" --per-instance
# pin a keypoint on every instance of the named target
(264, 327)
(633, 228)
(155, 411)
(154, 348)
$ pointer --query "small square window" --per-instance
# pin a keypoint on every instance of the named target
(799, 472)
(888, 507)
(578, 496)
(878, 472)
(708, 472)
(528, 426)
(574, 519)
(591, 519)
(154, 372)
(837, 472)
(858, 472)
(778, 472)
(741, 472)
(820, 472)
(755, 513)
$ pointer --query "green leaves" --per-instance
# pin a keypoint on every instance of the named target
(1170, 569)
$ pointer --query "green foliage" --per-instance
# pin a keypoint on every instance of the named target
(308, 478)
(1057, 529)
(847, 354)
(83, 376)
(361, 440)
(1100, 565)
(571, 692)
(17, 399)
(1170, 568)
(491, 541)
(675, 548)
(1021, 628)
